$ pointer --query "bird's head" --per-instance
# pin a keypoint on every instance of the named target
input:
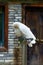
(17, 30)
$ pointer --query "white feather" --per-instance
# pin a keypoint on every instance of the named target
(26, 32)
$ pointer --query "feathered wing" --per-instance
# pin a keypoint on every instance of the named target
(27, 33)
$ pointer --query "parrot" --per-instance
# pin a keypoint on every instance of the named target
(23, 32)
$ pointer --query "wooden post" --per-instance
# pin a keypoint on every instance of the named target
(20, 54)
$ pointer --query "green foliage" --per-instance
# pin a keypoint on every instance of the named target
(20, 39)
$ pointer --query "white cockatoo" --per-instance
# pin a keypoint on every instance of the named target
(21, 30)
